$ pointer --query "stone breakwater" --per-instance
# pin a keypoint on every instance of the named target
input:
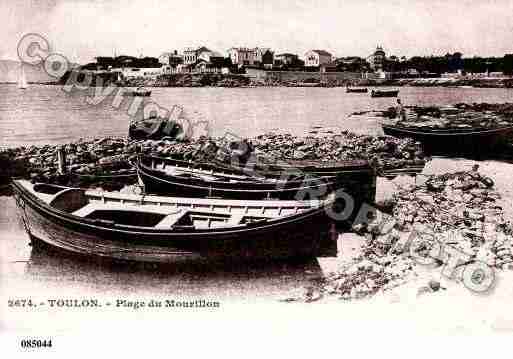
(98, 159)
(458, 212)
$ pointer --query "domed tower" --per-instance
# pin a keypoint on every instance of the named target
(377, 59)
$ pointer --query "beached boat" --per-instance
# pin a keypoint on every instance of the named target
(384, 93)
(127, 227)
(298, 180)
(138, 92)
(175, 177)
(454, 140)
(356, 89)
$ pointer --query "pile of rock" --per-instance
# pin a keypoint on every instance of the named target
(457, 211)
(115, 156)
(462, 210)
(383, 151)
(459, 116)
(106, 156)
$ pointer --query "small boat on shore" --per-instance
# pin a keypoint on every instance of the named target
(140, 91)
(175, 177)
(298, 180)
(384, 93)
(129, 227)
(356, 90)
(454, 140)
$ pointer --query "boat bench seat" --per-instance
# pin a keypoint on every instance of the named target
(170, 219)
(91, 207)
(86, 210)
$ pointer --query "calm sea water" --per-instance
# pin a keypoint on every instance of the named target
(47, 114)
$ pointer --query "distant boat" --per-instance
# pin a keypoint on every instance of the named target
(384, 93)
(22, 80)
(140, 91)
(356, 89)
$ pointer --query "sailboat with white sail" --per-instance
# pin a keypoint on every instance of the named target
(22, 80)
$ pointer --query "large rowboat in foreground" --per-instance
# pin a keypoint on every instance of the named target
(454, 140)
(169, 229)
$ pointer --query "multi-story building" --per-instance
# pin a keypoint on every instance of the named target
(316, 58)
(194, 55)
(242, 56)
(209, 56)
(251, 56)
(286, 59)
(190, 55)
(171, 58)
(377, 59)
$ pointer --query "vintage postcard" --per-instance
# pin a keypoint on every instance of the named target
(241, 176)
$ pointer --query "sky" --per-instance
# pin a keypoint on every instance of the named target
(83, 29)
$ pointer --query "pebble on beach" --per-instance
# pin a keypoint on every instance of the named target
(460, 209)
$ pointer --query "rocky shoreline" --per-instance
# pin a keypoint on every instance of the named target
(459, 212)
(317, 80)
(92, 161)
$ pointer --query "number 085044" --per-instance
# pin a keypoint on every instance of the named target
(36, 343)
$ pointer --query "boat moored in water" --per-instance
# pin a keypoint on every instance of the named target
(384, 93)
(356, 89)
(147, 228)
(140, 91)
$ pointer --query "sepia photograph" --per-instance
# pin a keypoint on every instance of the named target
(298, 177)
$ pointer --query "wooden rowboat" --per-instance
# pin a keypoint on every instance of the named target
(384, 93)
(138, 92)
(168, 229)
(175, 177)
(356, 89)
(463, 140)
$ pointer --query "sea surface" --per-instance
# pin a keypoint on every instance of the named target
(48, 114)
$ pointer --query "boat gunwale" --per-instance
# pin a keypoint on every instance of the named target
(232, 186)
(71, 220)
(448, 132)
(362, 166)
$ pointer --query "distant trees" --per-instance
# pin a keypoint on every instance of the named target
(451, 63)
(507, 64)
(352, 64)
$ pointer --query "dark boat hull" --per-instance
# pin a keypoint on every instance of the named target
(359, 181)
(300, 235)
(356, 90)
(454, 141)
(138, 94)
(385, 93)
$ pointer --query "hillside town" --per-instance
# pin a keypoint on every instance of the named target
(263, 66)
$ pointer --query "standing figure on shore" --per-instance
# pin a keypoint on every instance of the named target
(400, 111)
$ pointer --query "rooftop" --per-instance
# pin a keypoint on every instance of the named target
(321, 52)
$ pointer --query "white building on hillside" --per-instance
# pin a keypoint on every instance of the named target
(316, 58)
